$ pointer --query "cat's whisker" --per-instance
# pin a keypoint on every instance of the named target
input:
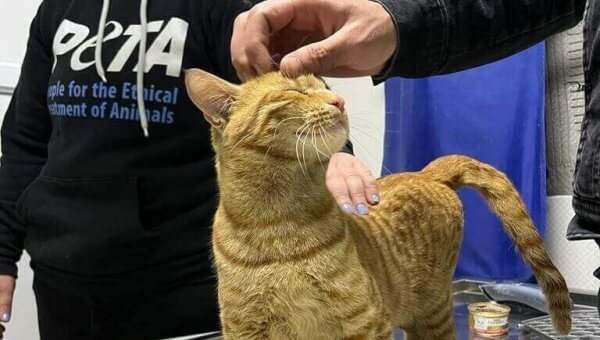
(324, 130)
(303, 152)
(369, 132)
(301, 128)
(297, 140)
(321, 131)
(362, 115)
(371, 157)
(314, 141)
(372, 127)
(364, 134)
(298, 134)
(268, 149)
(275, 132)
(326, 155)
(240, 141)
(364, 122)
(328, 135)
(281, 122)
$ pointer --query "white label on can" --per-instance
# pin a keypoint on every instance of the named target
(490, 324)
(481, 323)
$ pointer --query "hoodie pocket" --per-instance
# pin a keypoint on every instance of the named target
(85, 226)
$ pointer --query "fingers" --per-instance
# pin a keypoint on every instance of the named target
(336, 184)
(357, 191)
(351, 184)
(7, 288)
(328, 38)
(271, 16)
(370, 184)
(316, 58)
(251, 35)
(239, 58)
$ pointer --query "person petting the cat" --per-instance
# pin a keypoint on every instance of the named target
(420, 38)
(107, 175)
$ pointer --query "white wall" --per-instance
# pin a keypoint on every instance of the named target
(365, 105)
(15, 17)
(366, 109)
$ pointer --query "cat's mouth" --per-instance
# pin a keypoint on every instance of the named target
(321, 129)
(324, 125)
(338, 125)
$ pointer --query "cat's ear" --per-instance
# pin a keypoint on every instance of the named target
(212, 95)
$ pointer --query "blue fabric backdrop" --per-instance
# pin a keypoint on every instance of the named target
(494, 113)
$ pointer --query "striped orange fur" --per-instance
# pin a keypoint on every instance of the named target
(292, 265)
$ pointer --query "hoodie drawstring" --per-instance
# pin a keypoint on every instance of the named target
(141, 67)
(98, 51)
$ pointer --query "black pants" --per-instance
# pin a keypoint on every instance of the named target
(131, 307)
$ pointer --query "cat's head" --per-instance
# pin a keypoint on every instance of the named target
(272, 115)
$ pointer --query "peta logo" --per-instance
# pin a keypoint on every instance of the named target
(167, 48)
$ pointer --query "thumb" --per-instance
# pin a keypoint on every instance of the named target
(316, 58)
(7, 289)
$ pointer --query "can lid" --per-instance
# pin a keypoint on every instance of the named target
(489, 308)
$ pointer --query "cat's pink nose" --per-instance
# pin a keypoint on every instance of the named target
(338, 102)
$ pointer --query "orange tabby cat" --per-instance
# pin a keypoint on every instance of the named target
(292, 265)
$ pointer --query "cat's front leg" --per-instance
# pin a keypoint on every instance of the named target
(374, 328)
(248, 329)
(242, 319)
(360, 309)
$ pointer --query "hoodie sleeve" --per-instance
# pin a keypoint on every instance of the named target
(444, 36)
(25, 133)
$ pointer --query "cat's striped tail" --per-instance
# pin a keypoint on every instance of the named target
(505, 201)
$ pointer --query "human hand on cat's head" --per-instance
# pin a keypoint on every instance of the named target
(307, 36)
(351, 184)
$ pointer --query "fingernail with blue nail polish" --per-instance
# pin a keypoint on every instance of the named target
(5, 317)
(347, 208)
(362, 209)
(375, 198)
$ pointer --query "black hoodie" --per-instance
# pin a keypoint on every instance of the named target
(80, 186)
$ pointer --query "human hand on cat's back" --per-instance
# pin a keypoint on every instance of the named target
(351, 184)
(7, 289)
(336, 38)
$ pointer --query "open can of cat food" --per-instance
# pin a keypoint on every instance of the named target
(488, 319)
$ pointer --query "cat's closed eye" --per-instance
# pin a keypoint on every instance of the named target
(293, 89)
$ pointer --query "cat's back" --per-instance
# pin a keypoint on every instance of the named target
(418, 188)
(417, 217)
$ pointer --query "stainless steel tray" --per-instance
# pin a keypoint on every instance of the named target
(525, 323)
(586, 326)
